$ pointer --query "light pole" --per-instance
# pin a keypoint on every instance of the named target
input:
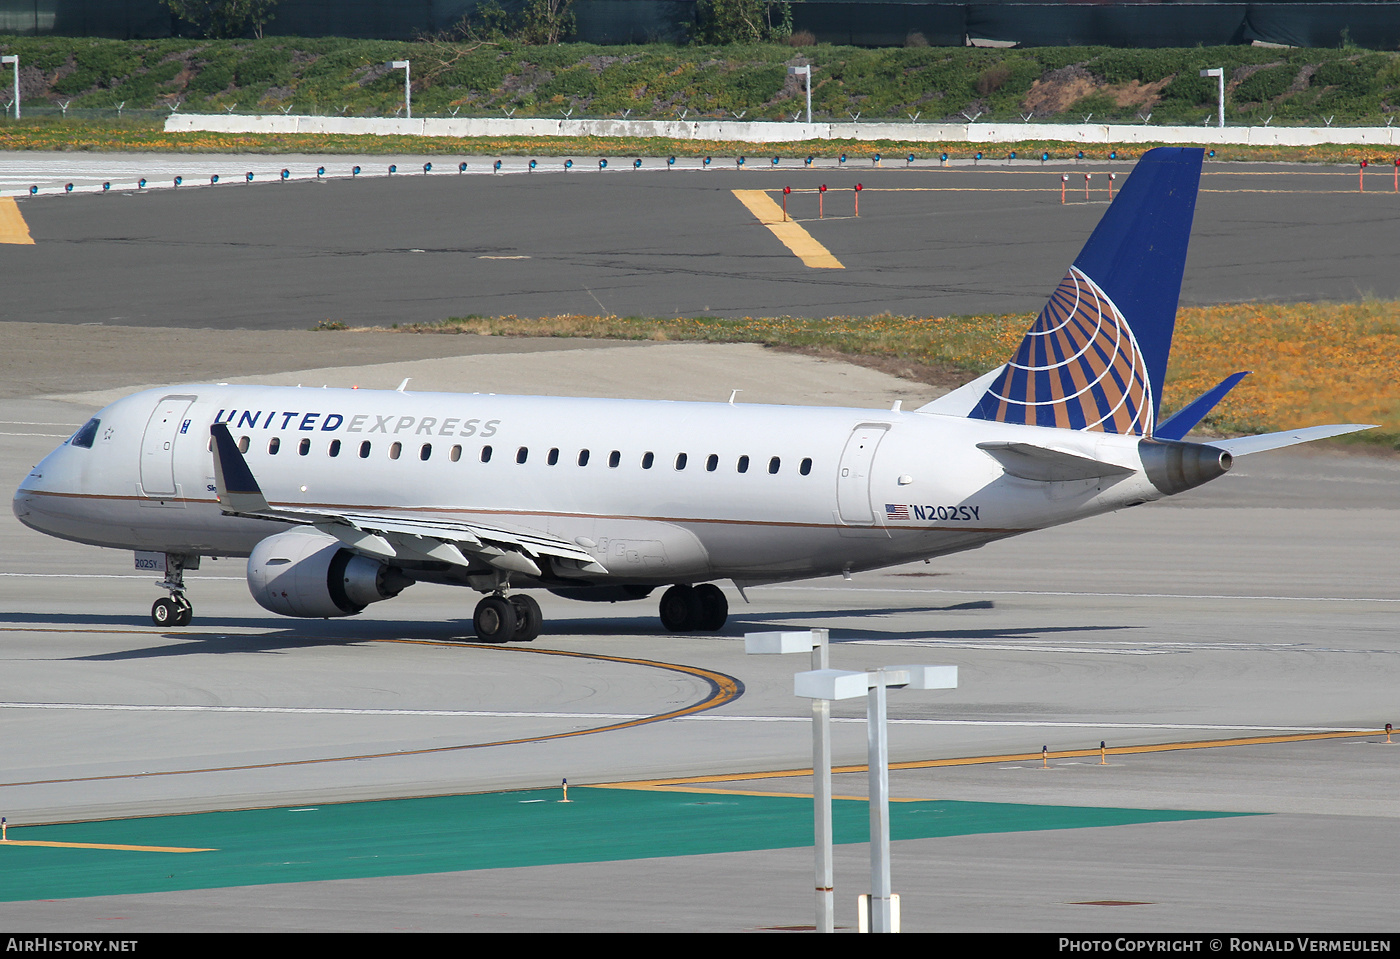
(806, 72)
(815, 642)
(1219, 74)
(407, 93)
(14, 58)
(843, 684)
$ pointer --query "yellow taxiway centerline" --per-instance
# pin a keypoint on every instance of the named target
(100, 845)
(794, 237)
(13, 229)
(679, 783)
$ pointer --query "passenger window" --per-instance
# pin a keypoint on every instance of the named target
(712, 463)
(680, 461)
(456, 453)
(583, 457)
(273, 445)
(647, 460)
(364, 450)
(743, 464)
(87, 433)
(806, 468)
(486, 454)
(614, 458)
(335, 448)
(773, 465)
(553, 458)
(304, 447)
(243, 444)
(425, 452)
(395, 450)
(522, 454)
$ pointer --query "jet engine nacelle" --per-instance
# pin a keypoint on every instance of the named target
(304, 572)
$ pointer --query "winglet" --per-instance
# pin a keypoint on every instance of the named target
(234, 484)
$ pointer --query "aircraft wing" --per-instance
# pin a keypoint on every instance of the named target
(387, 535)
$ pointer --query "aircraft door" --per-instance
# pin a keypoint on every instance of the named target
(158, 445)
(853, 477)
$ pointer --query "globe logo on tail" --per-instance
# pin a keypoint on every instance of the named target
(1078, 368)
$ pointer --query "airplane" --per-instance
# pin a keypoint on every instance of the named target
(344, 498)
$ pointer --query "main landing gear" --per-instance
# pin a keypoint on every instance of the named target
(175, 611)
(687, 609)
(507, 619)
(517, 619)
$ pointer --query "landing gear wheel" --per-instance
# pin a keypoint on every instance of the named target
(184, 611)
(680, 609)
(714, 608)
(528, 618)
(164, 612)
(495, 620)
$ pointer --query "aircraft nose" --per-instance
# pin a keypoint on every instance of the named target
(26, 496)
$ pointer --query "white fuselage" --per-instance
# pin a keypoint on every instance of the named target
(658, 492)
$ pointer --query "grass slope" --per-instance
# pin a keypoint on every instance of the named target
(332, 76)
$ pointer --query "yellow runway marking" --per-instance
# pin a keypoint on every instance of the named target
(13, 229)
(723, 689)
(680, 782)
(794, 237)
(101, 845)
(644, 787)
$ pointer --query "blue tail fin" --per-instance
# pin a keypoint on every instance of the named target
(1096, 356)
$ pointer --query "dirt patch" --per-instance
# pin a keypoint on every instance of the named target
(1059, 89)
(1135, 94)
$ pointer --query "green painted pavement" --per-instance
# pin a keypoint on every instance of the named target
(493, 830)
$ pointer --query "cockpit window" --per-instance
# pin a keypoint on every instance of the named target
(86, 435)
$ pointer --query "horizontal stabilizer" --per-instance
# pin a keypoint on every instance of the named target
(1046, 465)
(1244, 445)
(1186, 418)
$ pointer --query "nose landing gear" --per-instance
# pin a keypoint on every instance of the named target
(177, 610)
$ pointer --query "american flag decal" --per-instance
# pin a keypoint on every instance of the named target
(893, 511)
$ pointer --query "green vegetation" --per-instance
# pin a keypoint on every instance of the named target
(486, 70)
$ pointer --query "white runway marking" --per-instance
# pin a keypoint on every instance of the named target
(1107, 647)
(521, 714)
(1051, 592)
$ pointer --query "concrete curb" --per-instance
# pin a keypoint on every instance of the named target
(764, 131)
